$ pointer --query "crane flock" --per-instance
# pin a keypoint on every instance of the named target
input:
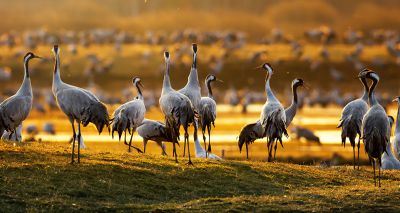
(363, 117)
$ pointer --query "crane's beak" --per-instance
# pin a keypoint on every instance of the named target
(306, 86)
(395, 100)
(219, 80)
(140, 84)
(38, 57)
(259, 67)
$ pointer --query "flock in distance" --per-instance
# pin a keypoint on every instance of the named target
(363, 117)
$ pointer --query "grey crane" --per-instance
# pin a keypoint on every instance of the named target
(192, 88)
(155, 131)
(375, 125)
(389, 161)
(351, 120)
(15, 109)
(129, 115)
(208, 111)
(396, 143)
(177, 109)
(254, 131)
(78, 105)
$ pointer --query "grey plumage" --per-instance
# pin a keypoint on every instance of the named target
(389, 161)
(375, 125)
(273, 118)
(396, 142)
(15, 109)
(351, 121)
(192, 88)
(155, 131)
(78, 104)
(208, 111)
(129, 116)
(254, 131)
(177, 108)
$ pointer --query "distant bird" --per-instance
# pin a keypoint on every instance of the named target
(155, 131)
(305, 133)
(192, 88)
(208, 111)
(389, 161)
(254, 131)
(130, 115)
(351, 121)
(16, 137)
(177, 108)
(78, 104)
(15, 109)
(200, 151)
(49, 128)
(396, 143)
(375, 125)
(273, 117)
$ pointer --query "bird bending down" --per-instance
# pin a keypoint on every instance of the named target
(78, 105)
(129, 116)
(207, 111)
(177, 109)
(15, 109)
(192, 88)
(396, 143)
(155, 131)
(389, 161)
(351, 120)
(375, 126)
(254, 131)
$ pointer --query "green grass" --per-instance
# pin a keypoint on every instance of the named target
(38, 177)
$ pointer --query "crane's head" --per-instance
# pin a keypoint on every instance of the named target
(55, 49)
(166, 56)
(266, 67)
(137, 81)
(212, 77)
(28, 56)
(194, 47)
(367, 73)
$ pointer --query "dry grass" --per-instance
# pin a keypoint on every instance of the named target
(38, 177)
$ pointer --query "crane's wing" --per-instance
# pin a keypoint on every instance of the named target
(250, 133)
(15, 109)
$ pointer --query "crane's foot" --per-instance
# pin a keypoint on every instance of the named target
(189, 163)
(72, 162)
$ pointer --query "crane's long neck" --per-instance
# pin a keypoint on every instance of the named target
(140, 95)
(193, 76)
(208, 85)
(292, 109)
(371, 94)
(56, 75)
(270, 94)
(397, 129)
(166, 82)
(26, 87)
(364, 97)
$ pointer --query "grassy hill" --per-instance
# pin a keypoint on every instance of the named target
(38, 177)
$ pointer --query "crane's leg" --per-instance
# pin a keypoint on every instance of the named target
(373, 165)
(209, 140)
(184, 148)
(144, 145)
(354, 158)
(358, 155)
(204, 141)
(160, 143)
(379, 168)
(130, 143)
(276, 146)
(79, 142)
(174, 145)
(270, 144)
(73, 141)
(187, 139)
(129, 148)
(247, 151)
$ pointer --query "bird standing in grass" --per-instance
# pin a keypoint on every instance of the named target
(129, 116)
(15, 109)
(396, 143)
(389, 161)
(208, 111)
(78, 105)
(375, 125)
(177, 109)
(351, 120)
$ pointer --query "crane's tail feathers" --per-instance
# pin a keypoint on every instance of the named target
(375, 143)
(249, 134)
(351, 126)
(97, 114)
